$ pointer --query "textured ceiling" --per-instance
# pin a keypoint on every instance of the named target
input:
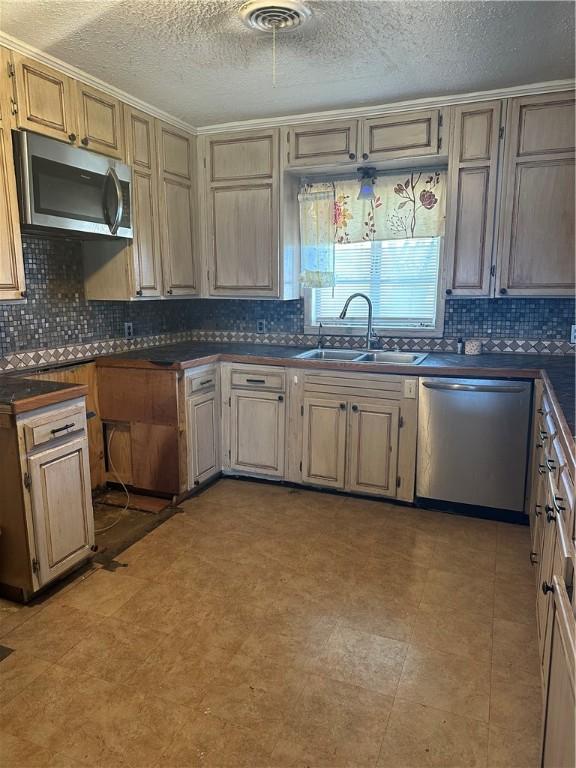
(195, 59)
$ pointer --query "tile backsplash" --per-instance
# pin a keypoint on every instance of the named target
(57, 314)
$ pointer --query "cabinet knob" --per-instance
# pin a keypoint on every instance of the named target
(547, 587)
(196, 482)
(365, 156)
(71, 137)
(503, 291)
(24, 294)
(94, 547)
(355, 408)
(448, 291)
(169, 291)
(85, 141)
(550, 516)
(139, 292)
(342, 406)
(281, 398)
(534, 558)
(537, 510)
(352, 156)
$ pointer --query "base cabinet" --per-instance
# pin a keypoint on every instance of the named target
(61, 508)
(203, 426)
(324, 442)
(257, 432)
(373, 448)
(351, 445)
(558, 745)
(46, 517)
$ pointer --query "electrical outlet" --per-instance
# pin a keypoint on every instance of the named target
(128, 331)
(260, 326)
(573, 334)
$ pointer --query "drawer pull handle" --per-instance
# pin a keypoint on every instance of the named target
(543, 435)
(549, 513)
(557, 507)
(205, 382)
(62, 429)
(547, 587)
(550, 464)
(255, 381)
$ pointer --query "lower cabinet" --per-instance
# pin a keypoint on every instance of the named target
(203, 426)
(558, 745)
(61, 507)
(324, 442)
(373, 448)
(257, 432)
(46, 518)
(351, 444)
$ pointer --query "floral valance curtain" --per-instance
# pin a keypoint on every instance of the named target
(405, 206)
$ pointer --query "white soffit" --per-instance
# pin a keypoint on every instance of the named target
(195, 60)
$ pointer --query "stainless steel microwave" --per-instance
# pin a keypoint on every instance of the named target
(65, 188)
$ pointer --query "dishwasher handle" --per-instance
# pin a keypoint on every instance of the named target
(510, 388)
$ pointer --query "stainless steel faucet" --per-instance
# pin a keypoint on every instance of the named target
(371, 337)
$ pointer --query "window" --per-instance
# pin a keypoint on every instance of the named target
(399, 276)
(387, 245)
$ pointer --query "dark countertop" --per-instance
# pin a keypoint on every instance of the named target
(560, 369)
(19, 394)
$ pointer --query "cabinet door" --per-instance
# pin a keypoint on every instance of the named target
(472, 181)
(175, 156)
(373, 448)
(244, 240)
(45, 99)
(61, 508)
(558, 745)
(203, 425)
(405, 134)
(322, 143)
(324, 442)
(257, 432)
(11, 260)
(141, 155)
(536, 246)
(243, 157)
(100, 121)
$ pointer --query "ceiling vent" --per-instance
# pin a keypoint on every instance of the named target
(265, 16)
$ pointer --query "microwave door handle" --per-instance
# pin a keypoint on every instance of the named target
(119, 201)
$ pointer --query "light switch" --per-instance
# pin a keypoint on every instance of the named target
(410, 388)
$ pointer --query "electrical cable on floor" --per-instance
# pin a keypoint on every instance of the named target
(117, 476)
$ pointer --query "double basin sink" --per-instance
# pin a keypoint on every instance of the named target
(370, 356)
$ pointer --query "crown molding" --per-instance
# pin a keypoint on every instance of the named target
(430, 102)
(78, 74)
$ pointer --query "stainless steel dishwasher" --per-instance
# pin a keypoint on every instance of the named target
(473, 441)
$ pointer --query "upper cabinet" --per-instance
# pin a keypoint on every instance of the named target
(405, 134)
(45, 100)
(471, 207)
(536, 244)
(243, 213)
(323, 143)
(11, 261)
(100, 121)
(177, 200)
(375, 139)
(141, 154)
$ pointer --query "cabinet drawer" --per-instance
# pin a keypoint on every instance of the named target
(256, 379)
(51, 426)
(201, 382)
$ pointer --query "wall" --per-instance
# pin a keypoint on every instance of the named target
(56, 313)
